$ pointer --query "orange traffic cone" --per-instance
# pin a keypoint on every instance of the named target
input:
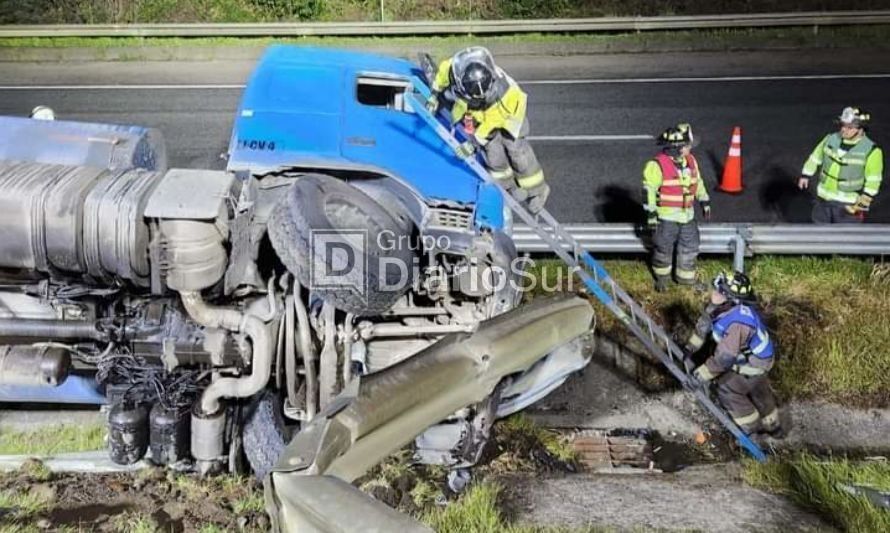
(732, 168)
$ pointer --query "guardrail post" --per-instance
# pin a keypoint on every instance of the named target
(738, 250)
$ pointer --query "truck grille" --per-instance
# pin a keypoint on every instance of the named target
(450, 218)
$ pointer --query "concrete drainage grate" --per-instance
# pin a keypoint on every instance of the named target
(626, 451)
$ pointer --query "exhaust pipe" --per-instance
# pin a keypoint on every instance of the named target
(222, 317)
(27, 328)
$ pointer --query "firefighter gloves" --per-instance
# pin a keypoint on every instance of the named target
(704, 374)
(652, 220)
(466, 149)
(432, 103)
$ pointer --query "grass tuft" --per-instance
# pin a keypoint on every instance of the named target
(36, 470)
(19, 505)
(520, 430)
(250, 503)
(133, 522)
(814, 483)
(475, 511)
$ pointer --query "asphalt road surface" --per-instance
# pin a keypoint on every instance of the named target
(593, 118)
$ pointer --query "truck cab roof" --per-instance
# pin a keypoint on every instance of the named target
(310, 107)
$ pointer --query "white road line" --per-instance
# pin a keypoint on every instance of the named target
(203, 87)
(594, 81)
(563, 138)
(587, 81)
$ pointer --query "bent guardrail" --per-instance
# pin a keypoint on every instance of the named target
(452, 27)
(797, 239)
(383, 411)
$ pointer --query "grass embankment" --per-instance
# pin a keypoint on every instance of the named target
(814, 484)
(128, 11)
(830, 318)
(719, 39)
(52, 440)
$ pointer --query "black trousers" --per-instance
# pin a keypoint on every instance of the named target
(686, 238)
(828, 212)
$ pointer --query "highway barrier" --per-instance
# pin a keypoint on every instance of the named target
(453, 27)
(795, 239)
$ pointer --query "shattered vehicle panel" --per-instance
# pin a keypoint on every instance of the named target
(198, 300)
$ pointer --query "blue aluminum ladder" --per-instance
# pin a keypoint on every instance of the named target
(595, 277)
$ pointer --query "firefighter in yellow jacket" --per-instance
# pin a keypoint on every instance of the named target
(850, 170)
(671, 185)
(492, 108)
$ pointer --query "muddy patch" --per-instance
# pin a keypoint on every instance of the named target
(87, 514)
(152, 500)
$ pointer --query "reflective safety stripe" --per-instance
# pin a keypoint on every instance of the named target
(527, 182)
(673, 197)
(695, 341)
(851, 185)
(662, 270)
(685, 274)
(771, 419)
(746, 420)
(506, 173)
(762, 342)
(748, 370)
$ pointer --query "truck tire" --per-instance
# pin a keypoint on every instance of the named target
(264, 435)
(334, 212)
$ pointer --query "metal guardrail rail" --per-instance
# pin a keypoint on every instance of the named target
(453, 27)
(798, 239)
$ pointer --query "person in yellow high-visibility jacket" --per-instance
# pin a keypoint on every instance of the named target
(672, 184)
(850, 170)
(492, 107)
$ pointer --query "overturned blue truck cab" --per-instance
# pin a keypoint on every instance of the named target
(346, 114)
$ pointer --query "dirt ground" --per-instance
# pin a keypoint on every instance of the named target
(602, 396)
(150, 500)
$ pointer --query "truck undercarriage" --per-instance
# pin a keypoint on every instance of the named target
(197, 321)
